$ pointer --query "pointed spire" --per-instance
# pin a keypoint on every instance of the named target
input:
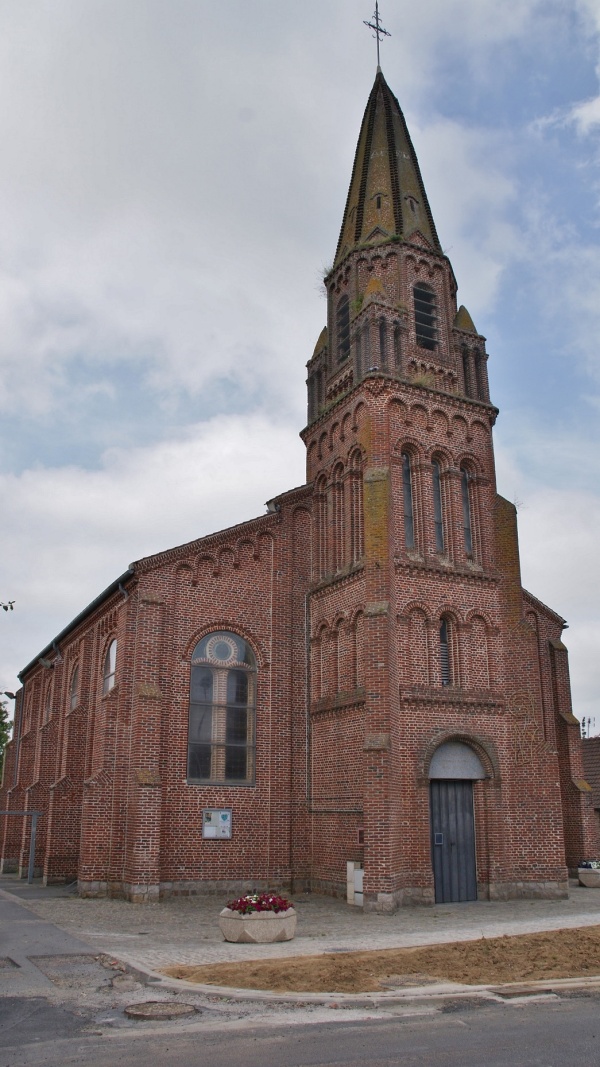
(387, 198)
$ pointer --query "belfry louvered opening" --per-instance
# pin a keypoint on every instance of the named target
(425, 316)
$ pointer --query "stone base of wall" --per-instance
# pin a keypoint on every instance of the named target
(407, 897)
(59, 879)
(8, 866)
(146, 894)
(529, 890)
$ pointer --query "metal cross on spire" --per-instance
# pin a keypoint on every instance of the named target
(379, 30)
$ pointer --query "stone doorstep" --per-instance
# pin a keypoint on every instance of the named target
(432, 992)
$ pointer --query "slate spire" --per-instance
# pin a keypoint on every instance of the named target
(387, 198)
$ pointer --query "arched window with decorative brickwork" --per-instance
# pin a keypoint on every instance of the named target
(356, 508)
(343, 328)
(109, 670)
(426, 328)
(222, 714)
(338, 517)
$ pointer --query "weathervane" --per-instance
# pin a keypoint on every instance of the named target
(379, 30)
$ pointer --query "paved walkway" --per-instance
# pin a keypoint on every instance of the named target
(185, 930)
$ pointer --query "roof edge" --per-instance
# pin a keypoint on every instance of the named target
(104, 595)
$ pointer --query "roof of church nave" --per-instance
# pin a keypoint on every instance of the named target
(387, 197)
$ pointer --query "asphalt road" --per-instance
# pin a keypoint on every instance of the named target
(546, 1033)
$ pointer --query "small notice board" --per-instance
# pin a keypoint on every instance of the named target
(216, 823)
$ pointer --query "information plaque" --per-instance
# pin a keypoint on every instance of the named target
(216, 822)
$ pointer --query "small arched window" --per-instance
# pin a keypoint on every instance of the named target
(343, 328)
(221, 740)
(438, 518)
(74, 691)
(110, 667)
(445, 652)
(425, 316)
(465, 485)
(407, 492)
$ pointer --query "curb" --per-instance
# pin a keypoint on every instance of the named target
(431, 993)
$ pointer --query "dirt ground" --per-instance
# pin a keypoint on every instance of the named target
(487, 961)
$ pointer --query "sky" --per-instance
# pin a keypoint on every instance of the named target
(172, 182)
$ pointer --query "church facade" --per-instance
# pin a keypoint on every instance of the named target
(355, 676)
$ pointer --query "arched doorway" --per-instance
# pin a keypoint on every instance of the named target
(453, 769)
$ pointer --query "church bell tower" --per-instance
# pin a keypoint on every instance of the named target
(426, 672)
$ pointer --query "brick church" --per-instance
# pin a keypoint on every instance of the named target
(356, 675)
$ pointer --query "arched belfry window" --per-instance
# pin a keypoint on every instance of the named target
(343, 328)
(110, 668)
(221, 740)
(425, 316)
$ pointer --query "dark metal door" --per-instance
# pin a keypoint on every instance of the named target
(453, 841)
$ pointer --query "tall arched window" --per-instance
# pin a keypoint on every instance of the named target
(383, 344)
(425, 316)
(221, 742)
(74, 691)
(397, 347)
(407, 492)
(445, 652)
(480, 377)
(339, 539)
(466, 362)
(438, 518)
(110, 667)
(48, 703)
(343, 328)
(321, 502)
(465, 485)
(356, 509)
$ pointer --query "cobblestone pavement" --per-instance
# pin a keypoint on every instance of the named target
(185, 930)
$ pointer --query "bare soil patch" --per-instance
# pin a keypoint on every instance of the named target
(526, 957)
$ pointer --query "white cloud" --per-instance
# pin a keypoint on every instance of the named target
(69, 532)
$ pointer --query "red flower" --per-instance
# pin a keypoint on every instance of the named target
(252, 902)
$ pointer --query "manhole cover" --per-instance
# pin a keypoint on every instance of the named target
(158, 1009)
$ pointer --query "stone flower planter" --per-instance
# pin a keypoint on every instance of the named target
(589, 876)
(258, 928)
